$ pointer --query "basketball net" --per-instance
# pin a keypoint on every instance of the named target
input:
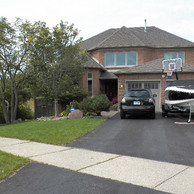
(172, 65)
(169, 73)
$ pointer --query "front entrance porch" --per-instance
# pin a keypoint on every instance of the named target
(111, 89)
(109, 86)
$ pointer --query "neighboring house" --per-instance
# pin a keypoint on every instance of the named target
(124, 58)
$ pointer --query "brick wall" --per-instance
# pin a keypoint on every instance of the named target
(99, 54)
(96, 81)
(138, 77)
(189, 55)
(146, 54)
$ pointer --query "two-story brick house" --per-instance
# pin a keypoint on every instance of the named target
(124, 58)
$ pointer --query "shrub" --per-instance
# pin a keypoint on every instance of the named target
(86, 105)
(74, 104)
(64, 113)
(96, 104)
(77, 94)
(24, 112)
(101, 103)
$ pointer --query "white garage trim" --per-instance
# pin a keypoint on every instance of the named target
(156, 88)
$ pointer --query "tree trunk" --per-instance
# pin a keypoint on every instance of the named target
(14, 102)
(12, 105)
(4, 103)
(5, 106)
(56, 106)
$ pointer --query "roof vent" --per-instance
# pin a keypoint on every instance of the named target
(145, 28)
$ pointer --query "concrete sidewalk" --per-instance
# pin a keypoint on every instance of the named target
(162, 176)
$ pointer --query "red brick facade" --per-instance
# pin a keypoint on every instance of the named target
(95, 81)
(150, 47)
(144, 55)
(162, 78)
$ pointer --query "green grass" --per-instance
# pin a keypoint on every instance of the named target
(58, 132)
(10, 163)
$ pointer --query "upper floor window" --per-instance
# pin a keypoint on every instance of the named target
(173, 55)
(109, 59)
(120, 59)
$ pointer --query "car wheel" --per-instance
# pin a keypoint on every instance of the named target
(153, 116)
(122, 115)
(165, 110)
(164, 113)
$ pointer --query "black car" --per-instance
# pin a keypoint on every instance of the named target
(137, 102)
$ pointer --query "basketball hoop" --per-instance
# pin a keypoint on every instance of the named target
(172, 65)
(169, 73)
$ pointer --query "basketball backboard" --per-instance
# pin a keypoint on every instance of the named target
(174, 65)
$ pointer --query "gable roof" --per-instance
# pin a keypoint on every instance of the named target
(92, 63)
(107, 75)
(135, 37)
(154, 66)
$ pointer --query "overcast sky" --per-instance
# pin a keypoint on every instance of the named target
(93, 17)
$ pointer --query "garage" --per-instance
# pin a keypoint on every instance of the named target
(154, 86)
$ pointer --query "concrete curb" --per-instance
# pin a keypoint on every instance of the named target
(156, 175)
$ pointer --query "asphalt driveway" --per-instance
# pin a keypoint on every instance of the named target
(84, 171)
(38, 178)
(160, 139)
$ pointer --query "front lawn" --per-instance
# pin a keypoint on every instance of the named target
(10, 163)
(58, 132)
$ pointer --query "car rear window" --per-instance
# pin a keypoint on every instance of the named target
(138, 93)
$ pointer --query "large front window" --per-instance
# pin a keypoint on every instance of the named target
(109, 59)
(173, 55)
(121, 59)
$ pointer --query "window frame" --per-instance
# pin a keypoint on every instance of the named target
(90, 80)
(115, 59)
(177, 55)
(105, 59)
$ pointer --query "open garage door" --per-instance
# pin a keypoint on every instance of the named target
(154, 86)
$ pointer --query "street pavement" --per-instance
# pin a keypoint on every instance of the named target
(149, 174)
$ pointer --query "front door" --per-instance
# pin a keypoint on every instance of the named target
(111, 89)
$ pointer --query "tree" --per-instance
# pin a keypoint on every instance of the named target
(14, 51)
(56, 59)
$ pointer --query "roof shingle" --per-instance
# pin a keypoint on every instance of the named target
(154, 66)
(135, 37)
(92, 63)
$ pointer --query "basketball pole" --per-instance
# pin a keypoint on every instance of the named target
(176, 73)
